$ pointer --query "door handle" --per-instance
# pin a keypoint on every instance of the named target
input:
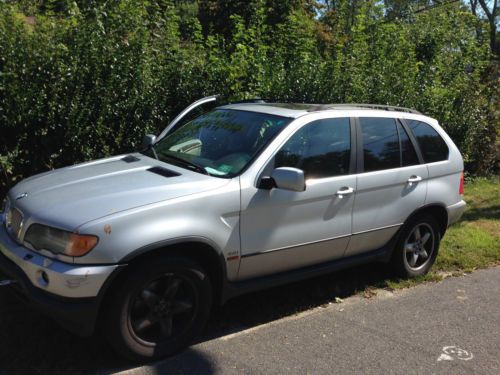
(413, 179)
(344, 191)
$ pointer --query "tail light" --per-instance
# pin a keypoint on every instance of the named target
(461, 186)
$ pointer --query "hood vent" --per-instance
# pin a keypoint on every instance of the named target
(130, 159)
(163, 172)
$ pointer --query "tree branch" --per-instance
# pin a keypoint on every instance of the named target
(487, 10)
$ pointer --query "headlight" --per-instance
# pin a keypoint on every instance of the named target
(58, 241)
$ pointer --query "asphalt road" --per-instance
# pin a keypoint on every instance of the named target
(451, 327)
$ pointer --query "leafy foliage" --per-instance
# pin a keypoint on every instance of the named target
(84, 79)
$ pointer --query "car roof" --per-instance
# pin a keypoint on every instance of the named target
(279, 109)
(294, 110)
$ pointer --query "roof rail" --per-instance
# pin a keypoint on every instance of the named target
(323, 107)
(253, 100)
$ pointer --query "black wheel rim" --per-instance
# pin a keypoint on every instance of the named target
(164, 309)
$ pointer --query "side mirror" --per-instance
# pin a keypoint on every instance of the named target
(148, 141)
(285, 178)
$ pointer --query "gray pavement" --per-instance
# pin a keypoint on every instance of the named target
(452, 327)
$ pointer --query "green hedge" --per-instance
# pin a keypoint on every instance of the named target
(83, 82)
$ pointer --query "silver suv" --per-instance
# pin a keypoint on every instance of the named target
(243, 197)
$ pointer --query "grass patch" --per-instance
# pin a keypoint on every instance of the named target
(468, 246)
(474, 242)
(393, 284)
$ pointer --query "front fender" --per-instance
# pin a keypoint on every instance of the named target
(211, 218)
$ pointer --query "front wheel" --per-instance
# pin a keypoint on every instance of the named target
(159, 308)
(417, 247)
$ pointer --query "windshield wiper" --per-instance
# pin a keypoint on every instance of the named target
(188, 164)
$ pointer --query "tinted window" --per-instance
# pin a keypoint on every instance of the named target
(380, 143)
(408, 153)
(431, 144)
(321, 149)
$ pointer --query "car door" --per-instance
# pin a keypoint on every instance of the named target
(283, 230)
(177, 120)
(391, 183)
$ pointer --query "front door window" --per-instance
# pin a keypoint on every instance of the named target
(321, 149)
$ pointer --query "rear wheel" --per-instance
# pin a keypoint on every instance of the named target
(417, 247)
(159, 308)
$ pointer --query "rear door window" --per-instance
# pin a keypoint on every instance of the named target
(431, 144)
(380, 143)
(408, 153)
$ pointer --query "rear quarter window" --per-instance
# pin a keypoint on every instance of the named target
(433, 147)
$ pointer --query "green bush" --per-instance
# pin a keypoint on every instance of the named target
(81, 80)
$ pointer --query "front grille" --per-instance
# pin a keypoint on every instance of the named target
(14, 223)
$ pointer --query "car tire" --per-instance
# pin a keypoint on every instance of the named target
(417, 247)
(158, 308)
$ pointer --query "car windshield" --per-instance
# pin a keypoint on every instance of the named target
(220, 143)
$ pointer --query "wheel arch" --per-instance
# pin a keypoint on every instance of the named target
(197, 249)
(436, 210)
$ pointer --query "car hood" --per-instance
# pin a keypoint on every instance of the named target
(69, 197)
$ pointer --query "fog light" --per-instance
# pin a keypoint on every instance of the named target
(43, 278)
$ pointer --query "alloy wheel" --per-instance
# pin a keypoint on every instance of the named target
(419, 246)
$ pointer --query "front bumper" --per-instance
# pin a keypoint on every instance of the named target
(455, 212)
(53, 276)
(73, 293)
